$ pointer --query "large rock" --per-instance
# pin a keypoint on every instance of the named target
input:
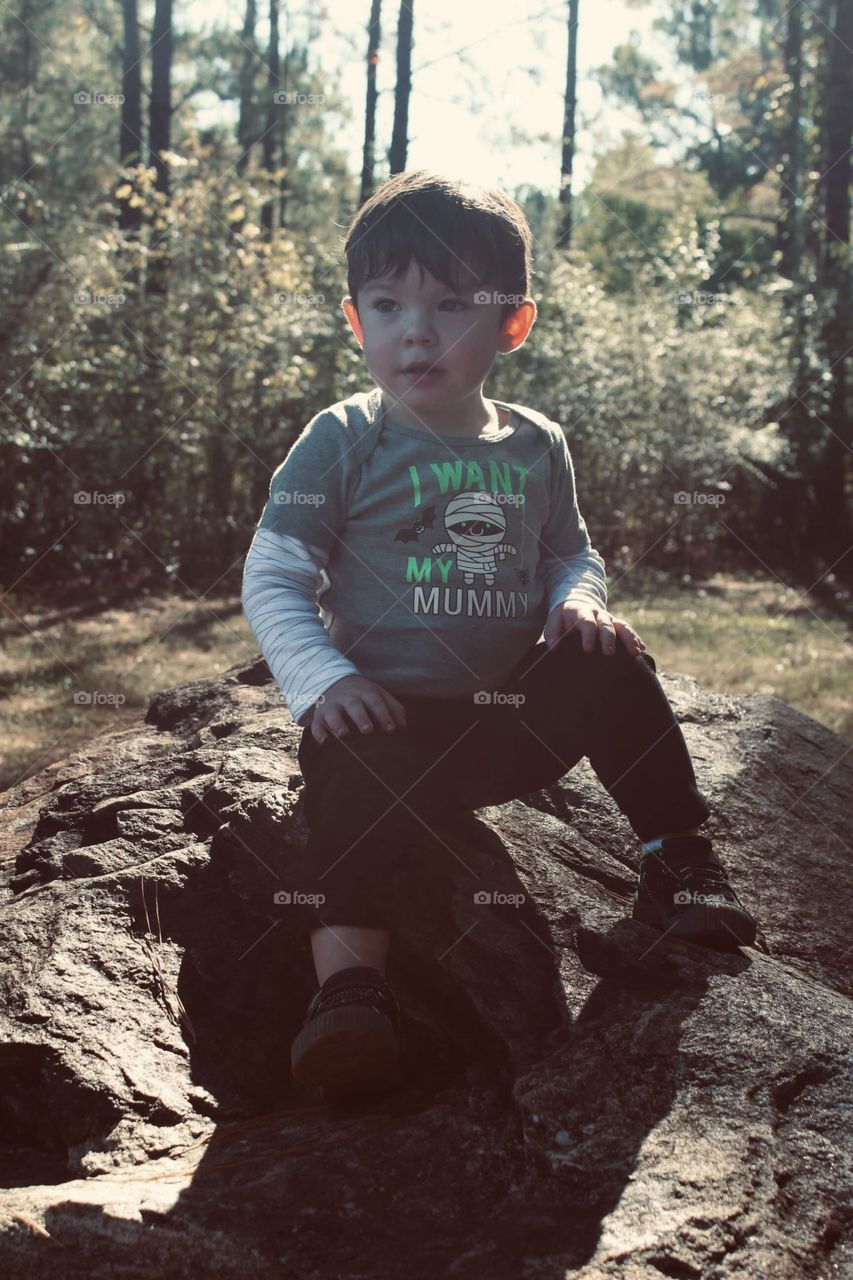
(583, 1097)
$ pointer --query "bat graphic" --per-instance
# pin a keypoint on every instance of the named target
(411, 533)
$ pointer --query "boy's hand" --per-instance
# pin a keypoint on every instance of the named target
(591, 620)
(365, 703)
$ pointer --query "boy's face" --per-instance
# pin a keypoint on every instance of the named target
(414, 319)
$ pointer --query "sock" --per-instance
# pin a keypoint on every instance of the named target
(651, 846)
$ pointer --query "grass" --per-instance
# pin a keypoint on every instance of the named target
(736, 634)
(740, 634)
(118, 656)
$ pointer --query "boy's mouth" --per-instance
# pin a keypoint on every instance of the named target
(422, 367)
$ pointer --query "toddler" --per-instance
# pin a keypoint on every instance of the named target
(422, 586)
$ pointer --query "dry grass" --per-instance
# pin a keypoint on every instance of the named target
(118, 656)
(734, 634)
(740, 635)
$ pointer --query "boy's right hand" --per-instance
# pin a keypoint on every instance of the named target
(366, 704)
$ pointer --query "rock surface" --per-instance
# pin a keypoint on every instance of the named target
(583, 1098)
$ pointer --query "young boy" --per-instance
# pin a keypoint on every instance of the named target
(438, 531)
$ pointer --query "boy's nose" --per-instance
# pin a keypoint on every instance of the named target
(419, 328)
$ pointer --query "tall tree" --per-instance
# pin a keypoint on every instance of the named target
(285, 115)
(160, 121)
(789, 222)
(832, 524)
(374, 36)
(794, 491)
(403, 89)
(783, 74)
(130, 130)
(160, 131)
(246, 120)
(272, 115)
(568, 148)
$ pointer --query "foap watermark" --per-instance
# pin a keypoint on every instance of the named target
(699, 498)
(696, 298)
(84, 98)
(285, 299)
(484, 296)
(97, 698)
(508, 499)
(297, 498)
(484, 697)
(495, 898)
(713, 99)
(297, 898)
(292, 98)
(85, 298)
(684, 897)
(97, 498)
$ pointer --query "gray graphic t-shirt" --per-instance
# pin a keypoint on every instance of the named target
(435, 584)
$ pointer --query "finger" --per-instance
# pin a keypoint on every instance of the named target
(397, 710)
(629, 636)
(607, 632)
(358, 711)
(589, 630)
(553, 635)
(379, 713)
(334, 721)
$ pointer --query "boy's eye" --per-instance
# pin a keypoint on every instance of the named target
(379, 304)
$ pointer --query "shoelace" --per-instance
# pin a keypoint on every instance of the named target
(381, 997)
(700, 876)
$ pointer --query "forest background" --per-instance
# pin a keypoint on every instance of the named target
(176, 181)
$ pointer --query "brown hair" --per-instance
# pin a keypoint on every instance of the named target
(442, 223)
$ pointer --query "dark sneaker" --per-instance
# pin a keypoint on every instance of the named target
(683, 889)
(348, 1042)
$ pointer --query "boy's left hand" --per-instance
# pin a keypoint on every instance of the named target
(591, 620)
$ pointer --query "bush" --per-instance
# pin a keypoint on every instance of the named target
(661, 393)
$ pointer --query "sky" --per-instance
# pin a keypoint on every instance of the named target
(466, 108)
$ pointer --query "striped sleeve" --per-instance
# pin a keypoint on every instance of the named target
(570, 565)
(580, 578)
(281, 577)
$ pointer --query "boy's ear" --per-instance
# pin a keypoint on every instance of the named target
(517, 325)
(352, 316)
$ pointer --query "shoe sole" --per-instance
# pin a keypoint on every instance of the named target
(349, 1051)
(724, 927)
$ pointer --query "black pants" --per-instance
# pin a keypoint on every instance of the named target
(369, 797)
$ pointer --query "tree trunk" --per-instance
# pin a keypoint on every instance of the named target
(161, 92)
(285, 115)
(568, 149)
(789, 223)
(269, 139)
(246, 121)
(832, 525)
(793, 492)
(150, 477)
(402, 92)
(130, 132)
(374, 36)
(159, 130)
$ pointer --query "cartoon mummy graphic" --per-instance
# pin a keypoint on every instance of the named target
(476, 525)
